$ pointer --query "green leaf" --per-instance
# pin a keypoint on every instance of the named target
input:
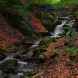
(72, 50)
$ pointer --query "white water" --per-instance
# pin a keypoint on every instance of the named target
(59, 29)
(36, 44)
(7, 58)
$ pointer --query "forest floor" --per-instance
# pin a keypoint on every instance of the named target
(59, 62)
(62, 64)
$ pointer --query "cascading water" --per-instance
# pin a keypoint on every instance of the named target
(59, 29)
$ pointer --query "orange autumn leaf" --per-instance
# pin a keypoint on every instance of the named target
(51, 47)
(37, 25)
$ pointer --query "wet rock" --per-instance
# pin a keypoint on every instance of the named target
(9, 66)
(2, 56)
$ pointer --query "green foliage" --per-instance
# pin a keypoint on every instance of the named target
(72, 51)
(57, 3)
(68, 31)
(69, 2)
(9, 66)
(2, 50)
(47, 41)
(28, 75)
(17, 15)
(16, 4)
(39, 52)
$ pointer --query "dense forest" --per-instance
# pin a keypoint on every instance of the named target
(38, 38)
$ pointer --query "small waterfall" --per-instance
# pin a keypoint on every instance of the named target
(59, 29)
(36, 44)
